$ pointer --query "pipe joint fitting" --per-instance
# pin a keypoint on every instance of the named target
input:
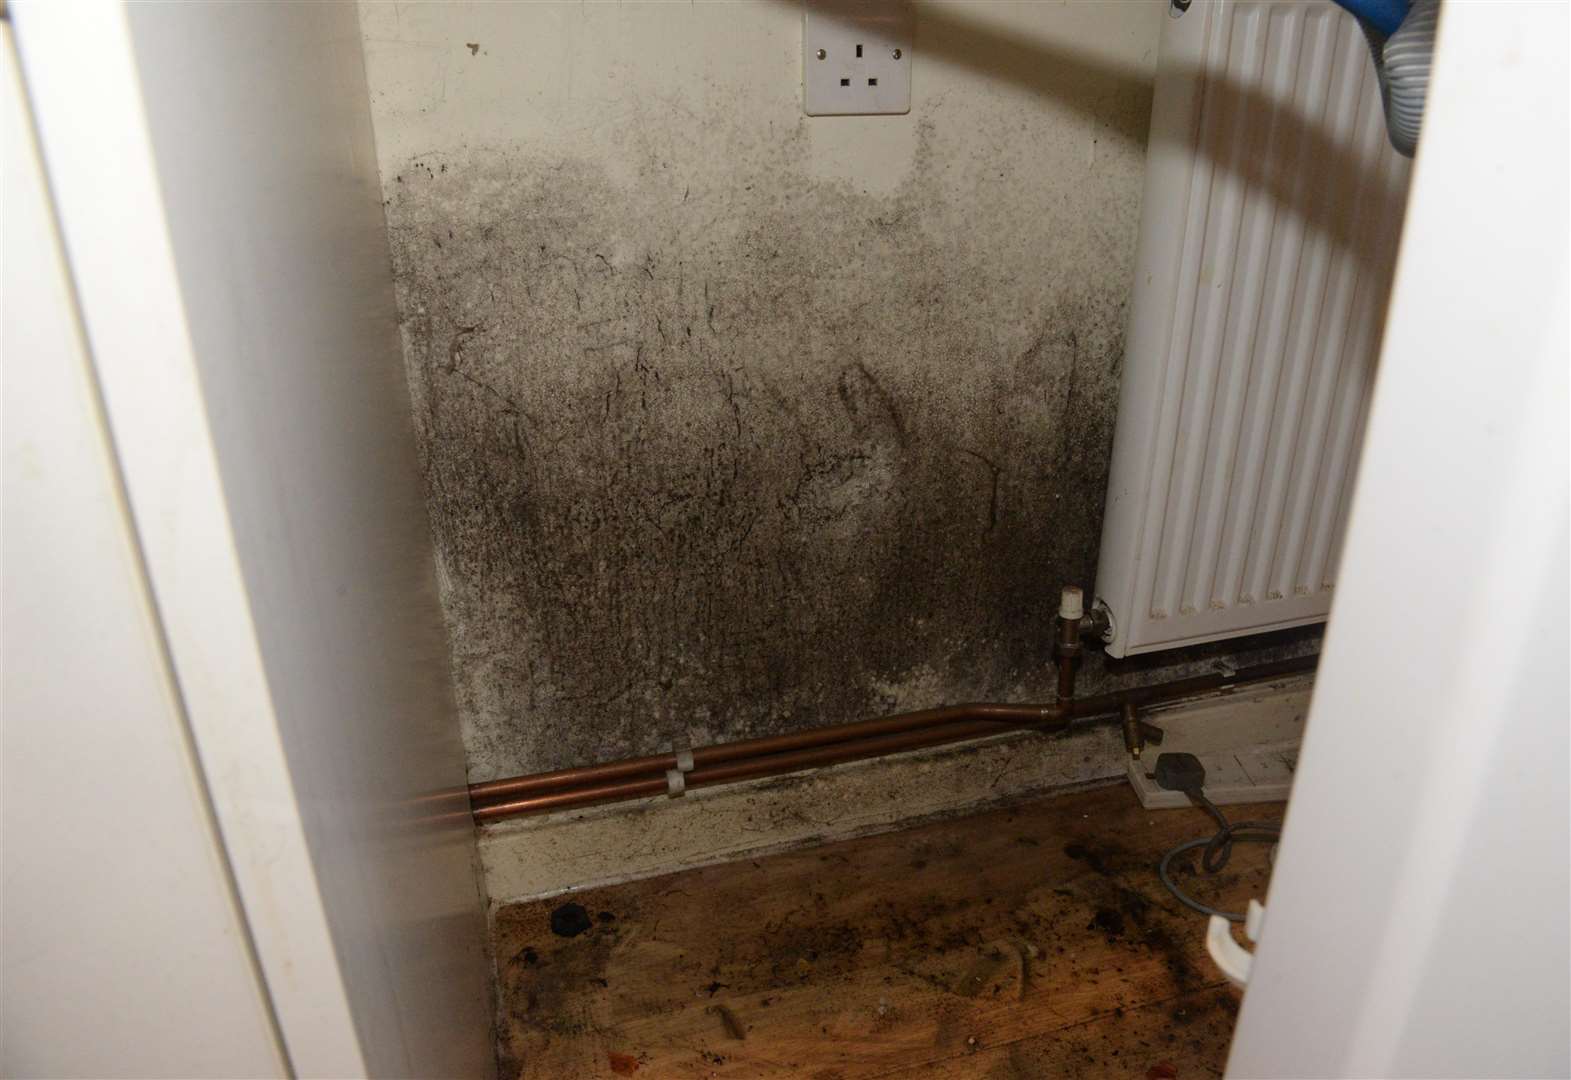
(1134, 738)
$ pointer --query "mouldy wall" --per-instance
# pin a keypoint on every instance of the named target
(736, 421)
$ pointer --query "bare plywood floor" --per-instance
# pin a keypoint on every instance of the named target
(1029, 942)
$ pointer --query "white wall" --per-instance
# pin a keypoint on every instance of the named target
(123, 951)
(1418, 920)
(605, 81)
(214, 169)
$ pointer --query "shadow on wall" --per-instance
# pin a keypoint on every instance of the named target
(947, 35)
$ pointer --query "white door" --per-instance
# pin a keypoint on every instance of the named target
(1417, 923)
(214, 171)
(123, 949)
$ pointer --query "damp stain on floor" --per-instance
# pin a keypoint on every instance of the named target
(1025, 942)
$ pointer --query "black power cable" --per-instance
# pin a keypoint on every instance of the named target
(1184, 773)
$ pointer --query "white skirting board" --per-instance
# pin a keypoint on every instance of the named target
(1249, 754)
(571, 850)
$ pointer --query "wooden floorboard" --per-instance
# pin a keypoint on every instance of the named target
(1033, 941)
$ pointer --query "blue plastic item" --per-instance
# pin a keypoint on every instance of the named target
(1383, 15)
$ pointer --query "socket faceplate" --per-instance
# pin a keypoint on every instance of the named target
(856, 57)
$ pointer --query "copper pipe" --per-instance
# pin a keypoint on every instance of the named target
(618, 791)
(1067, 649)
(569, 788)
(747, 769)
(1194, 686)
(1021, 715)
(1066, 678)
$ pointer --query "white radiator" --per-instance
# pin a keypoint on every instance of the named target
(1272, 211)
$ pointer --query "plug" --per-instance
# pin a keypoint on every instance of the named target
(1180, 772)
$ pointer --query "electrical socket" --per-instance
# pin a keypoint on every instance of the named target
(856, 57)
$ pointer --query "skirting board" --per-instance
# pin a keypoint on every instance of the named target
(533, 857)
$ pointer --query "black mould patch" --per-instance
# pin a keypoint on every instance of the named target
(1107, 920)
(570, 920)
(710, 464)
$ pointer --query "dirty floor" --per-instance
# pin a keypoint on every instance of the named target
(1033, 941)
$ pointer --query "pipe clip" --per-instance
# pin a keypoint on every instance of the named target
(676, 779)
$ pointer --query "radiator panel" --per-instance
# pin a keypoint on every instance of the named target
(1268, 238)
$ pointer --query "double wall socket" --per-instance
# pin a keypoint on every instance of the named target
(856, 57)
